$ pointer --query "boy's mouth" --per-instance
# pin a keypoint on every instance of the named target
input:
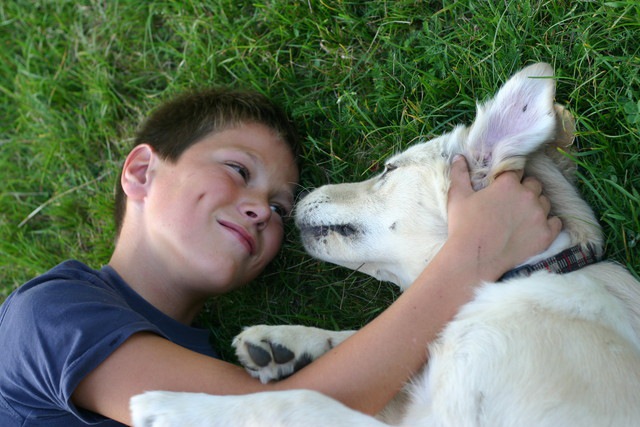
(243, 236)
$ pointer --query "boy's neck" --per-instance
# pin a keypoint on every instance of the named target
(155, 285)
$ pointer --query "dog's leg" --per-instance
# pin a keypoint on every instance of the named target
(275, 352)
(294, 408)
(577, 217)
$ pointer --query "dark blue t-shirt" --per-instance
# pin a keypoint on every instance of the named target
(59, 327)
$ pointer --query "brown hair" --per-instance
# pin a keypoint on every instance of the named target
(179, 123)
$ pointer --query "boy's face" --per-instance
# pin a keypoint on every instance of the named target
(216, 215)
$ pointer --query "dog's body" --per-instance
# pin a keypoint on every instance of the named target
(542, 350)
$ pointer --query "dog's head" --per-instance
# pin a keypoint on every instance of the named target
(391, 225)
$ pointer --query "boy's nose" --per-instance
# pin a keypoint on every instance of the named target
(258, 213)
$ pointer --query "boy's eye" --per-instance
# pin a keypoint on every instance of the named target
(279, 210)
(241, 170)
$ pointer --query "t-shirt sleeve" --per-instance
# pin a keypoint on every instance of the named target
(61, 331)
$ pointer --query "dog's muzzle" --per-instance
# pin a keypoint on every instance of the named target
(317, 231)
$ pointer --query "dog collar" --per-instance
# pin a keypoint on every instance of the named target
(566, 261)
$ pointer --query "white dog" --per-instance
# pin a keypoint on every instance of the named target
(556, 343)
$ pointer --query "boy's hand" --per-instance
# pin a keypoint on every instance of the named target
(501, 225)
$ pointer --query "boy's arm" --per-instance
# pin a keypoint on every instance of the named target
(146, 362)
(509, 224)
(364, 372)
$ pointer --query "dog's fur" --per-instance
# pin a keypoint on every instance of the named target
(545, 350)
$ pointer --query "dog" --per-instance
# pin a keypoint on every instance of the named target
(556, 342)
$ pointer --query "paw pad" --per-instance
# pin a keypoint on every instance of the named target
(261, 357)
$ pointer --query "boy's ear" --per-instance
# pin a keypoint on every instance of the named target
(136, 172)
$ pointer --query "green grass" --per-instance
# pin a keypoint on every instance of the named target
(362, 80)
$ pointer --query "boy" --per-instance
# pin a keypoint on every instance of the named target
(200, 211)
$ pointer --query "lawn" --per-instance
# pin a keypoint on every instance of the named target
(361, 79)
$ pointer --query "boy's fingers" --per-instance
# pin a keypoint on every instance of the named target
(517, 174)
(460, 180)
(533, 185)
(555, 225)
(545, 203)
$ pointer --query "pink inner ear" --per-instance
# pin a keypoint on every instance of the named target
(514, 117)
(518, 120)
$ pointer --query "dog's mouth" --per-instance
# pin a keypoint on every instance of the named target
(318, 231)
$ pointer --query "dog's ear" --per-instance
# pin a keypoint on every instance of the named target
(517, 121)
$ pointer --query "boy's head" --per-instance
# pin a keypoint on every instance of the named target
(178, 124)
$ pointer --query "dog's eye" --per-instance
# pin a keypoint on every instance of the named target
(389, 167)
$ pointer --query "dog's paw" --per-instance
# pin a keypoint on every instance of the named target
(156, 409)
(275, 352)
(179, 409)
